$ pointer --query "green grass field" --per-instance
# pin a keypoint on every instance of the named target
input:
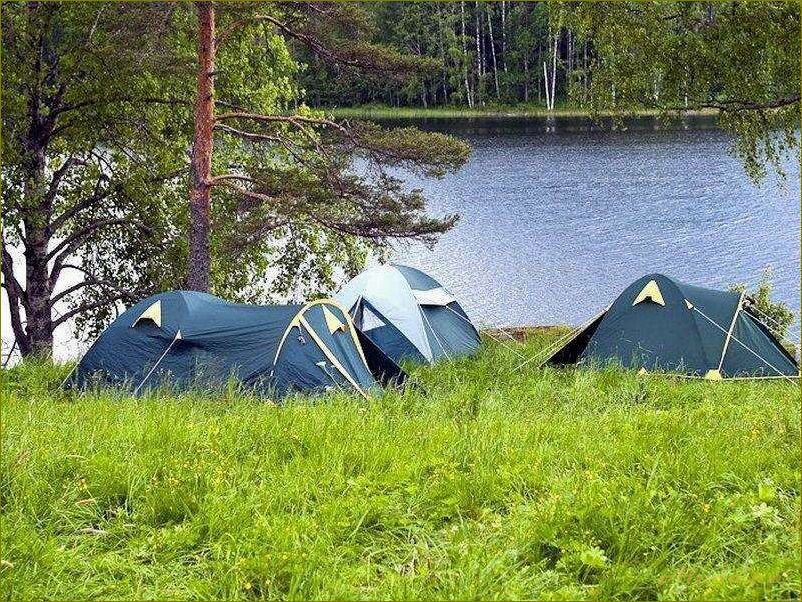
(493, 484)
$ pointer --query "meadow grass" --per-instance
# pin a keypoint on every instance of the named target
(484, 482)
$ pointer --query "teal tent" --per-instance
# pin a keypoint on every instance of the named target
(409, 315)
(660, 324)
(184, 339)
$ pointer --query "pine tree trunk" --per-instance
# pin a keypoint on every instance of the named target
(199, 264)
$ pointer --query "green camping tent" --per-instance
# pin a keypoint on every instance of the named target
(187, 339)
(660, 324)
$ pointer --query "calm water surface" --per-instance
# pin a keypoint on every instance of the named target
(556, 219)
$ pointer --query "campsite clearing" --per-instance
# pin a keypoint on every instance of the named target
(493, 483)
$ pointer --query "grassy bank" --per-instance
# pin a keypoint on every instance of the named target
(519, 110)
(493, 483)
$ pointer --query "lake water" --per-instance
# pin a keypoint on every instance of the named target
(558, 217)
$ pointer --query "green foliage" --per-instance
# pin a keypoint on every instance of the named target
(307, 199)
(115, 90)
(537, 484)
(93, 144)
(776, 315)
(741, 59)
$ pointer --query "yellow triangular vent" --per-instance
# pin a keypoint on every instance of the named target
(154, 313)
(650, 292)
(332, 321)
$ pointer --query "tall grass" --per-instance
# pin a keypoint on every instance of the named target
(485, 482)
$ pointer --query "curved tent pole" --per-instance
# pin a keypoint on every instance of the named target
(471, 324)
(331, 357)
(298, 320)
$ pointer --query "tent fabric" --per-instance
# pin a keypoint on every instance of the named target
(198, 340)
(408, 314)
(694, 331)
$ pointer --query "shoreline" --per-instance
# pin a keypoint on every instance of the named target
(499, 112)
(521, 333)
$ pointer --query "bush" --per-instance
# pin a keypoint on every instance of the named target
(774, 314)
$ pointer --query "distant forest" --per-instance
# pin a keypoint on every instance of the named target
(482, 53)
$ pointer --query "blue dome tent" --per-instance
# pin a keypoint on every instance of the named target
(186, 339)
(408, 314)
(660, 324)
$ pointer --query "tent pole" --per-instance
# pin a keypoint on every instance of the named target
(744, 345)
(730, 331)
(156, 365)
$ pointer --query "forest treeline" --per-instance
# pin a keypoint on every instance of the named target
(486, 53)
(482, 53)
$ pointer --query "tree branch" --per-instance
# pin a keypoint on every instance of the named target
(254, 137)
(255, 196)
(296, 120)
(97, 195)
(121, 99)
(738, 105)
(223, 178)
(69, 243)
(85, 307)
(91, 280)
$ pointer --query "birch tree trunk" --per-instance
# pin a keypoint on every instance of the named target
(526, 77)
(493, 50)
(554, 71)
(504, 35)
(199, 263)
(468, 92)
(479, 60)
(546, 85)
(585, 73)
(442, 54)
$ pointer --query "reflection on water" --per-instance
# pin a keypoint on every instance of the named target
(557, 217)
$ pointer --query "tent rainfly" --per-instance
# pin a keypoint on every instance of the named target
(185, 339)
(660, 324)
(408, 314)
